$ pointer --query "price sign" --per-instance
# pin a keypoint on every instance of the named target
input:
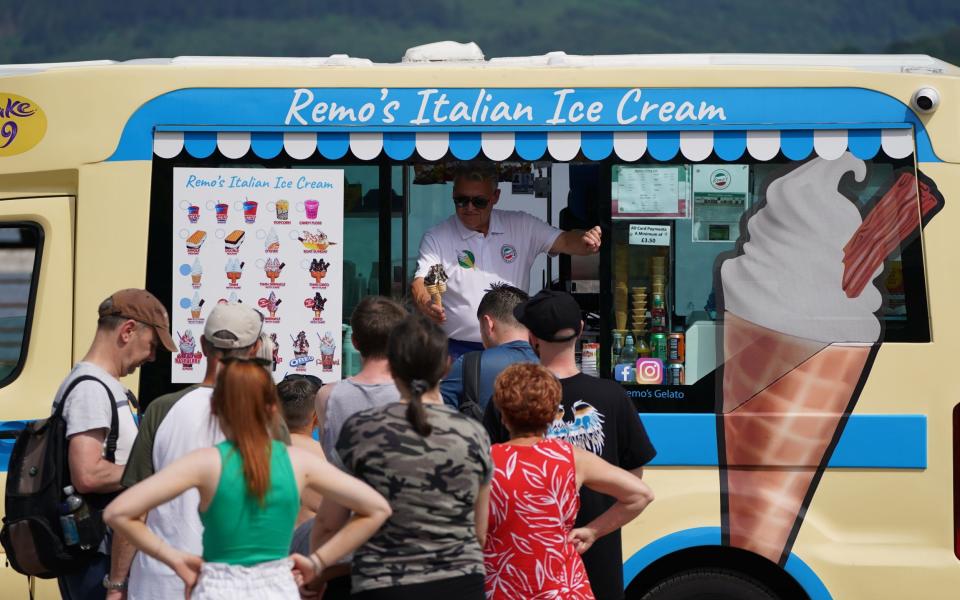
(649, 235)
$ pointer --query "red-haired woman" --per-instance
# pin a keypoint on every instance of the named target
(532, 550)
(250, 490)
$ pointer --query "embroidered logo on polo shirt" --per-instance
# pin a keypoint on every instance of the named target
(508, 253)
(466, 259)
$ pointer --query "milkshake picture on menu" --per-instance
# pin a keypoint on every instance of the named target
(259, 237)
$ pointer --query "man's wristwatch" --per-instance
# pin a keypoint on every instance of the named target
(113, 586)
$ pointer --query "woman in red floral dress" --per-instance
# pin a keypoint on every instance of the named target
(532, 550)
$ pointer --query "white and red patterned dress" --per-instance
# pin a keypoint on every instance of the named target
(533, 504)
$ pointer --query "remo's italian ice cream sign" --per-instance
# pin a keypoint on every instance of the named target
(22, 124)
(271, 239)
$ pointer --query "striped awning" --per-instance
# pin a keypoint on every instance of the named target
(698, 145)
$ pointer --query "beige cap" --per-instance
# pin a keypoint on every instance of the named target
(233, 326)
(143, 307)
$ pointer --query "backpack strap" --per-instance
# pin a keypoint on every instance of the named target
(470, 404)
(114, 433)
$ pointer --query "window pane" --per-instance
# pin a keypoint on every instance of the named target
(18, 249)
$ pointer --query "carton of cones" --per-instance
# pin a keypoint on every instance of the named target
(783, 401)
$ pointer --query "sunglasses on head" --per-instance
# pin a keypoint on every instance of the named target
(478, 201)
(263, 362)
(311, 378)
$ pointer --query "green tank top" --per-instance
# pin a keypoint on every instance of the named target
(237, 529)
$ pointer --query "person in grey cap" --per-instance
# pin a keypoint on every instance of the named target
(594, 415)
(131, 324)
(174, 425)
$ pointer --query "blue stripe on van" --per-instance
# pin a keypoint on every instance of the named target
(868, 441)
(710, 536)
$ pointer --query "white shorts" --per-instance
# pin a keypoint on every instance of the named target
(266, 581)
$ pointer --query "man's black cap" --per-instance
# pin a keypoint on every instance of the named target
(549, 312)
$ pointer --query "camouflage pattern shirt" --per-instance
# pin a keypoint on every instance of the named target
(431, 484)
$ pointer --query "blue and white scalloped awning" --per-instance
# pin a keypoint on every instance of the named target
(696, 145)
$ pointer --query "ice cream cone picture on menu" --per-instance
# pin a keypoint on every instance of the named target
(234, 269)
(271, 303)
(316, 304)
(272, 268)
(800, 334)
(318, 269)
(196, 305)
(436, 284)
(196, 272)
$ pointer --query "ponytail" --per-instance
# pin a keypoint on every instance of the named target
(242, 397)
(416, 414)
(417, 352)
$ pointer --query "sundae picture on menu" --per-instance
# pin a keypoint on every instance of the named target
(275, 350)
(187, 355)
(328, 347)
(799, 335)
(271, 303)
(318, 269)
(301, 347)
(315, 242)
(272, 268)
(196, 239)
(233, 241)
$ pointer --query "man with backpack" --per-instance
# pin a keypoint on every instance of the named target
(469, 385)
(100, 425)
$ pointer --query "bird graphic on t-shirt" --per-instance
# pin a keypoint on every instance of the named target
(586, 430)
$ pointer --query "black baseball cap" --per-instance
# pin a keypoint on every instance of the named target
(549, 312)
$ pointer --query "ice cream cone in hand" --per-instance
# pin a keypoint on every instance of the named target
(435, 283)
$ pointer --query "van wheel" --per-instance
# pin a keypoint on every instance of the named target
(710, 584)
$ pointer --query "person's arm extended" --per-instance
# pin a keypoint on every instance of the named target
(121, 557)
(424, 301)
(481, 513)
(125, 513)
(90, 472)
(577, 242)
(370, 511)
(632, 495)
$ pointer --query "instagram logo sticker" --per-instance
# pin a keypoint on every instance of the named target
(650, 371)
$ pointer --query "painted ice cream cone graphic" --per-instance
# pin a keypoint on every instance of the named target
(799, 335)
(436, 284)
(318, 269)
(272, 268)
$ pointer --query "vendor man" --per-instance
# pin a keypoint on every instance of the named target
(480, 246)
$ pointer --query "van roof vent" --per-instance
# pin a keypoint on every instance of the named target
(443, 52)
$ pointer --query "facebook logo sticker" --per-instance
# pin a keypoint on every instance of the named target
(625, 372)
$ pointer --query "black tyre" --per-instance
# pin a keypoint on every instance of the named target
(710, 584)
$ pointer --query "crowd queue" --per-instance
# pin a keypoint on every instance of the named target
(222, 491)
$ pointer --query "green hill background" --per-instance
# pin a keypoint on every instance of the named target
(52, 30)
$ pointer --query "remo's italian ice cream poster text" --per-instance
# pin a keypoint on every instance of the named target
(271, 239)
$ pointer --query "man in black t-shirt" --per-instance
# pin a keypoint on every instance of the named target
(595, 415)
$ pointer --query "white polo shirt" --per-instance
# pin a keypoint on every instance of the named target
(474, 262)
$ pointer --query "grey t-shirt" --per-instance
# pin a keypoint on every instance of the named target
(346, 399)
(431, 484)
(88, 407)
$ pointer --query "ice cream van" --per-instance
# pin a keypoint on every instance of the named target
(774, 290)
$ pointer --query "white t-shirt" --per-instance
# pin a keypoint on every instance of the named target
(474, 261)
(188, 426)
(88, 407)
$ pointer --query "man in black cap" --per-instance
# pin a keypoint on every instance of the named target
(595, 415)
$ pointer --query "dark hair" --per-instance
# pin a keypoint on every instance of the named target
(296, 401)
(417, 351)
(499, 301)
(527, 396)
(242, 397)
(372, 321)
(110, 322)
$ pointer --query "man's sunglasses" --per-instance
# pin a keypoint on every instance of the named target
(478, 201)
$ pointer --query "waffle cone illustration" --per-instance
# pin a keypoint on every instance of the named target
(799, 335)
(811, 386)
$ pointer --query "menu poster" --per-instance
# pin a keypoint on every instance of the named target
(650, 192)
(271, 239)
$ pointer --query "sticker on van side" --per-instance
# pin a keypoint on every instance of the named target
(22, 124)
